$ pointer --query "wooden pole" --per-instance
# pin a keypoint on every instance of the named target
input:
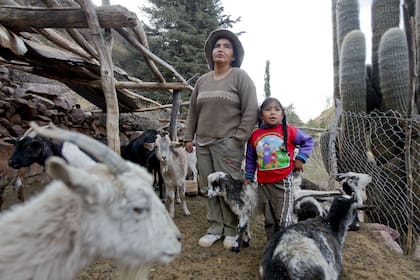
(107, 76)
(174, 115)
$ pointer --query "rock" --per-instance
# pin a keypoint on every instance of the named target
(16, 130)
(62, 104)
(385, 238)
(380, 227)
(8, 90)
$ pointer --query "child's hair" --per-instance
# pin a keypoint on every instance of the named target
(283, 121)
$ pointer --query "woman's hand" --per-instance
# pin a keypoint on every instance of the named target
(189, 146)
(247, 181)
(298, 165)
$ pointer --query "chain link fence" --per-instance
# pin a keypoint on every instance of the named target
(384, 145)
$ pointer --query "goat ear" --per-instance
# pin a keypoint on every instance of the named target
(58, 169)
(340, 176)
(75, 179)
(149, 146)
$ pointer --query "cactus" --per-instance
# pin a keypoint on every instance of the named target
(353, 72)
(336, 61)
(385, 15)
(394, 73)
(347, 14)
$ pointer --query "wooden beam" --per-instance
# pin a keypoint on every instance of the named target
(23, 18)
(152, 85)
(159, 107)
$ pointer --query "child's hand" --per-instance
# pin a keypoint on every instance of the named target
(298, 165)
(247, 181)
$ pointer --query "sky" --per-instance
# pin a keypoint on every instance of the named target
(296, 37)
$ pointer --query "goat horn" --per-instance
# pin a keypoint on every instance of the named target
(29, 130)
(96, 149)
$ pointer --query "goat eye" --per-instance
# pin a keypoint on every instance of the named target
(138, 210)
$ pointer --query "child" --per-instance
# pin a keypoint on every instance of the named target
(270, 152)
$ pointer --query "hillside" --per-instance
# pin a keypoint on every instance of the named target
(324, 120)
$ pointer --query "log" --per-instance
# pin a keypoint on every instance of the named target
(23, 18)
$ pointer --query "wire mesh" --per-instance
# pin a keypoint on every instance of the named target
(384, 145)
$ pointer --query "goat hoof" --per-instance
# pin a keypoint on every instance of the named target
(235, 249)
(245, 244)
(354, 227)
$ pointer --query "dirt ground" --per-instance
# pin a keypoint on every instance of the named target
(363, 256)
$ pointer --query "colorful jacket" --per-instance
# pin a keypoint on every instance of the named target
(265, 154)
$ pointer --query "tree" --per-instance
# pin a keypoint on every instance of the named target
(267, 89)
(291, 115)
(180, 28)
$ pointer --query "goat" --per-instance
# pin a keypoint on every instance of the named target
(173, 165)
(242, 200)
(29, 150)
(192, 172)
(91, 209)
(141, 151)
(311, 249)
(313, 203)
(9, 177)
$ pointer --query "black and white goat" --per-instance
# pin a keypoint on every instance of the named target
(313, 203)
(242, 200)
(311, 249)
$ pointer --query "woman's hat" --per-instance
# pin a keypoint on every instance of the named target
(224, 33)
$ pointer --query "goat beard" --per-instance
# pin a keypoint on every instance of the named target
(164, 168)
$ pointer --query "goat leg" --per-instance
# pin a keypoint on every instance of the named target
(355, 224)
(184, 201)
(177, 195)
(162, 187)
(19, 189)
(246, 242)
(171, 196)
(239, 240)
(2, 189)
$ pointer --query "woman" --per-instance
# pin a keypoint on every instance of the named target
(222, 114)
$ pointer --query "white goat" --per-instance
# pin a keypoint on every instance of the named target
(173, 166)
(311, 249)
(89, 210)
(242, 200)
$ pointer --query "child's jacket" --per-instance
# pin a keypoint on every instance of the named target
(265, 153)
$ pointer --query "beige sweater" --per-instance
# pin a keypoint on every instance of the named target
(222, 108)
